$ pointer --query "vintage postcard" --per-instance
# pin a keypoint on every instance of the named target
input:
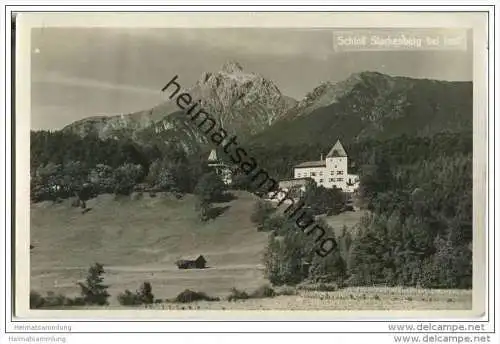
(261, 165)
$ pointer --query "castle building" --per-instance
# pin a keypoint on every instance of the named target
(330, 172)
(221, 169)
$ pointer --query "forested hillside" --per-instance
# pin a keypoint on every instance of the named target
(376, 106)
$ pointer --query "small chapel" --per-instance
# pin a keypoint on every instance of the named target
(222, 169)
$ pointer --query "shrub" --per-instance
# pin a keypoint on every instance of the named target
(142, 296)
(52, 300)
(237, 295)
(318, 286)
(127, 298)
(77, 301)
(204, 208)
(36, 300)
(259, 293)
(191, 296)
(286, 290)
(272, 223)
(262, 292)
(94, 292)
(261, 211)
(126, 176)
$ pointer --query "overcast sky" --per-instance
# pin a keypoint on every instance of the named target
(77, 73)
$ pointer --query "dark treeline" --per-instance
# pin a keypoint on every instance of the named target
(420, 230)
(278, 160)
(60, 147)
(64, 164)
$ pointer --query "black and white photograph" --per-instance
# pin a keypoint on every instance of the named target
(185, 168)
(252, 169)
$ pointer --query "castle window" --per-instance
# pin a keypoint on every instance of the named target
(321, 173)
(340, 179)
(321, 180)
(332, 173)
(340, 172)
(331, 180)
(313, 174)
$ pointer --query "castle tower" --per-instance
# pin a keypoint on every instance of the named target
(222, 169)
(337, 157)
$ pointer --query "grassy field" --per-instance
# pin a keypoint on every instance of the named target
(139, 240)
(366, 298)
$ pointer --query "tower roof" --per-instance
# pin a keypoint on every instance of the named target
(213, 156)
(337, 151)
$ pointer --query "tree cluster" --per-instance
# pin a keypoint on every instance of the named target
(143, 296)
(420, 230)
(64, 165)
(209, 189)
(417, 232)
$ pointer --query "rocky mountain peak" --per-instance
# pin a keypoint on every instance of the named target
(243, 102)
(231, 67)
(229, 76)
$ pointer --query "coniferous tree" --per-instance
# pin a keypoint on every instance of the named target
(284, 259)
(329, 269)
(146, 293)
(93, 291)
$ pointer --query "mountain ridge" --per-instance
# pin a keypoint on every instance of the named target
(374, 105)
(365, 105)
(231, 95)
